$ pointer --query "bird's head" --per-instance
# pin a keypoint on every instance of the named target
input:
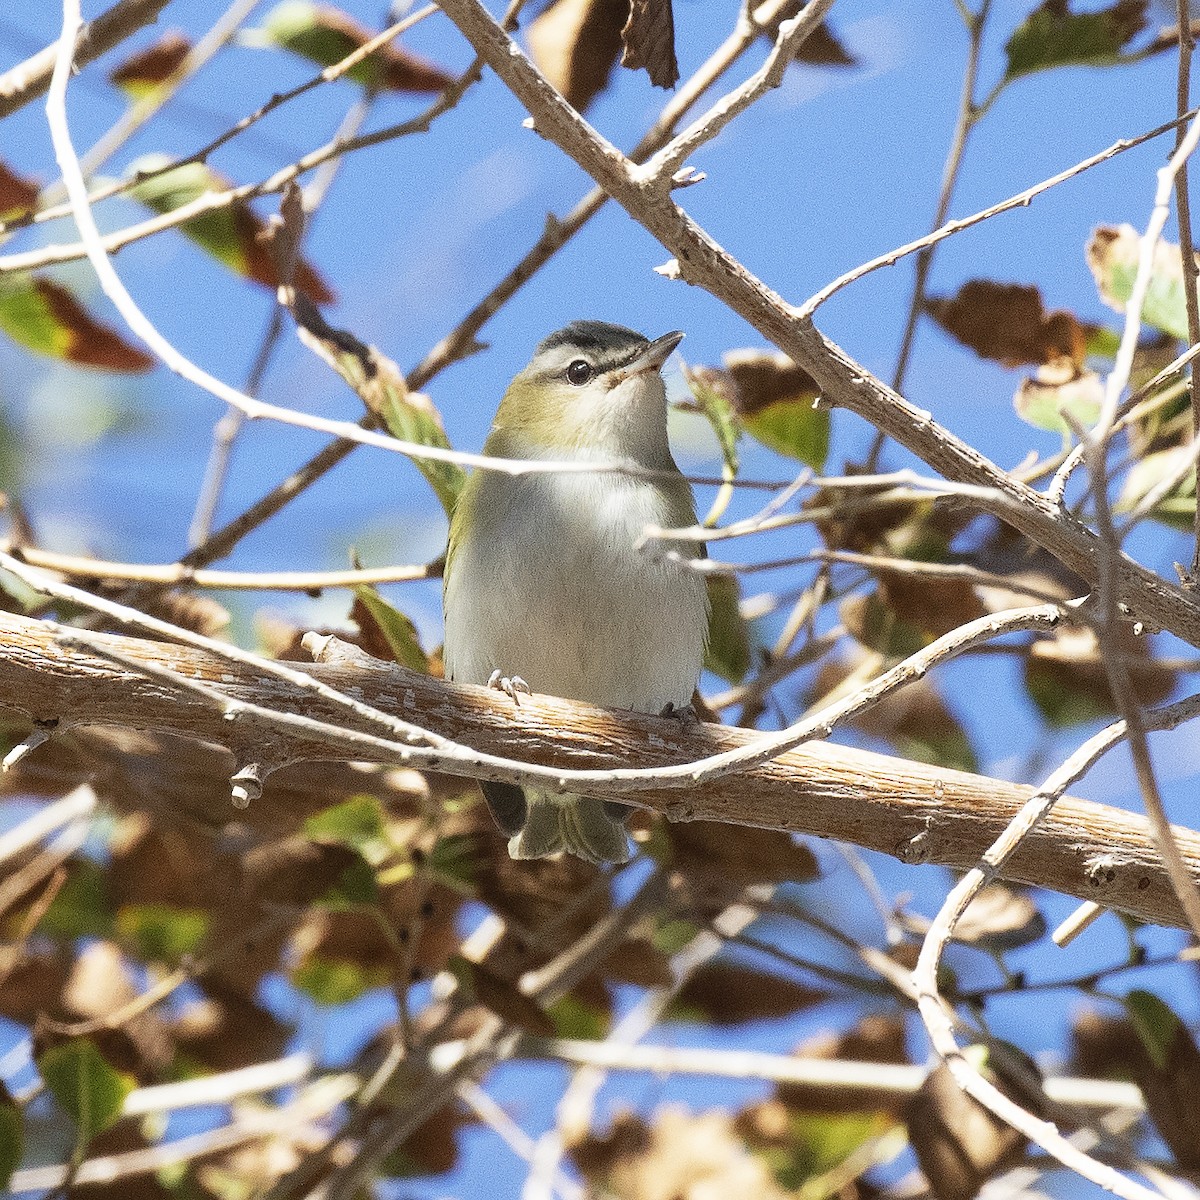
(592, 390)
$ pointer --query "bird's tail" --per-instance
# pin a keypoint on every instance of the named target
(588, 828)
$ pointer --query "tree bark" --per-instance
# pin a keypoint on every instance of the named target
(912, 811)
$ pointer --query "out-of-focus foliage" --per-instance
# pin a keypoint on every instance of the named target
(373, 914)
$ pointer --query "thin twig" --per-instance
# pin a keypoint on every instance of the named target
(175, 574)
(30, 79)
(879, 1082)
(1186, 251)
(1019, 200)
(964, 122)
(935, 1012)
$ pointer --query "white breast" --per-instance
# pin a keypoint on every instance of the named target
(550, 586)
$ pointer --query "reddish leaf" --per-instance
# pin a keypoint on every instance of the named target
(18, 193)
(326, 35)
(235, 235)
(1007, 323)
(45, 317)
(142, 72)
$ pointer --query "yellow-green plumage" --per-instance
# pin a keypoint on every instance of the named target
(544, 579)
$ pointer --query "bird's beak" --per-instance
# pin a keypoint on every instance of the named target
(654, 355)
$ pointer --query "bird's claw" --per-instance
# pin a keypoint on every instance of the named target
(511, 686)
(685, 714)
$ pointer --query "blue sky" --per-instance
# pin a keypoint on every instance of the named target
(834, 168)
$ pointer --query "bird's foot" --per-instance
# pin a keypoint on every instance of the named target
(511, 686)
(685, 714)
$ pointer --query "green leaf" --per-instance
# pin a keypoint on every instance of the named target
(1157, 1026)
(87, 1088)
(710, 389)
(12, 1136)
(326, 35)
(355, 887)
(573, 1018)
(728, 653)
(332, 981)
(1102, 342)
(1178, 508)
(1112, 255)
(46, 318)
(1054, 36)
(822, 1141)
(948, 747)
(397, 629)
(161, 932)
(1056, 391)
(357, 822)
(233, 234)
(409, 416)
(794, 428)
(81, 907)
(671, 936)
(455, 860)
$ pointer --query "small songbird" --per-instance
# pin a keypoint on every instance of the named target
(545, 584)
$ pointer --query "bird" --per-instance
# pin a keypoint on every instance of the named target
(547, 587)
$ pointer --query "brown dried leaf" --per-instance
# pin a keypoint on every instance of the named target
(155, 864)
(730, 993)
(649, 41)
(99, 985)
(146, 69)
(1007, 323)
(575, 44)
(639, 962)
(960, 1144)
(559, 900)
(934, 606)
(501, 996)
(431, 1148)
(18, 193)
(765, 377)
(875, 1038)
(1066, 676)
(1000, 918)
(295, 871)
(823, 49)
(858, 519)
(680, 1154)
(1168, 1074)
(226, 1030)
(820, 49)
(723, 859)
(31, 984)
(200, 614)
(122, 1138)
(915, 720)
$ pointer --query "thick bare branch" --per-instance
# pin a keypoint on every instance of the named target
(915, 812)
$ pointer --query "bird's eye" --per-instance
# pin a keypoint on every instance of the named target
(579, 372)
